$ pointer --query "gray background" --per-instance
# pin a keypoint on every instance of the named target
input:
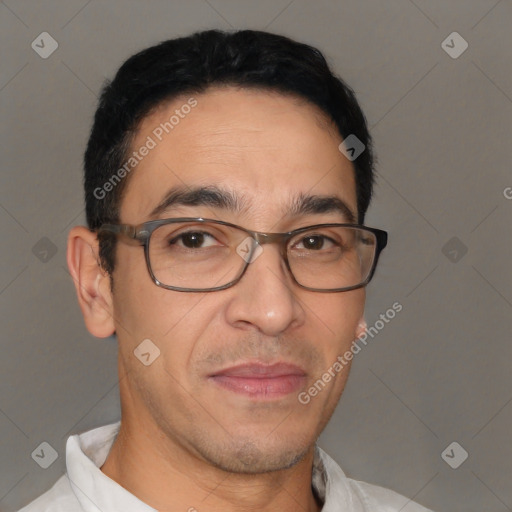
(438, 372)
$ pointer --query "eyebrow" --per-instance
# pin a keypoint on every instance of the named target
(306, 204)
(212, 196)
(216, 197)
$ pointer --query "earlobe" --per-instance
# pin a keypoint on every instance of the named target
(92, 283)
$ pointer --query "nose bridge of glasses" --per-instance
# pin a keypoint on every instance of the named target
(268, 238)
(259, 239)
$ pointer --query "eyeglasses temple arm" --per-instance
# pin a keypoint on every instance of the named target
(120, 229)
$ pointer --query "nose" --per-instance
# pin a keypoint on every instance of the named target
(266, 296)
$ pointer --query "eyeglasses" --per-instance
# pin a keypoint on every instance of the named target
(204, 255)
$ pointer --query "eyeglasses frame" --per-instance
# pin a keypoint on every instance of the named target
(142, 233)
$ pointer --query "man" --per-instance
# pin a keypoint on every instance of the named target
(225, 250)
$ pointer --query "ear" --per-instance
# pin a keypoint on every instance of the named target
(92, 283)
(361, 327)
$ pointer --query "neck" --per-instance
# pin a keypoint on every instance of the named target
(160, 472)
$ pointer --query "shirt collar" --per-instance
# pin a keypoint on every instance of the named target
(332, 486)
(96, 492)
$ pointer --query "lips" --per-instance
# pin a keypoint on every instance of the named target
(261, 381)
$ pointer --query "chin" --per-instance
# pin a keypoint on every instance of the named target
(251, 457)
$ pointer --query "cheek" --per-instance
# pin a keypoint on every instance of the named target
(336, 315)
(334, 320)
(143, 310)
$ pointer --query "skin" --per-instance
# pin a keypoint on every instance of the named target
(185, 441)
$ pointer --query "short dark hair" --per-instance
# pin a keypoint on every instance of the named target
(189, 65)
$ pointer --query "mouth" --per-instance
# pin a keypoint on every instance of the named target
(261, 381)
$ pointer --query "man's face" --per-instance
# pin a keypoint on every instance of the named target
(268, 150)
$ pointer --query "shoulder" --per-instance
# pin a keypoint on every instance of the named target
(60, 498)
(379, 499)
(332, 483)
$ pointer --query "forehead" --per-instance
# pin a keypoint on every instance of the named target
(266, 147)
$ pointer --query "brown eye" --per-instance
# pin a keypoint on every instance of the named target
(194, 240)
(313, 242)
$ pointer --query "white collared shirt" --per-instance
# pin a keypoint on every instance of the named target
(84, 488)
